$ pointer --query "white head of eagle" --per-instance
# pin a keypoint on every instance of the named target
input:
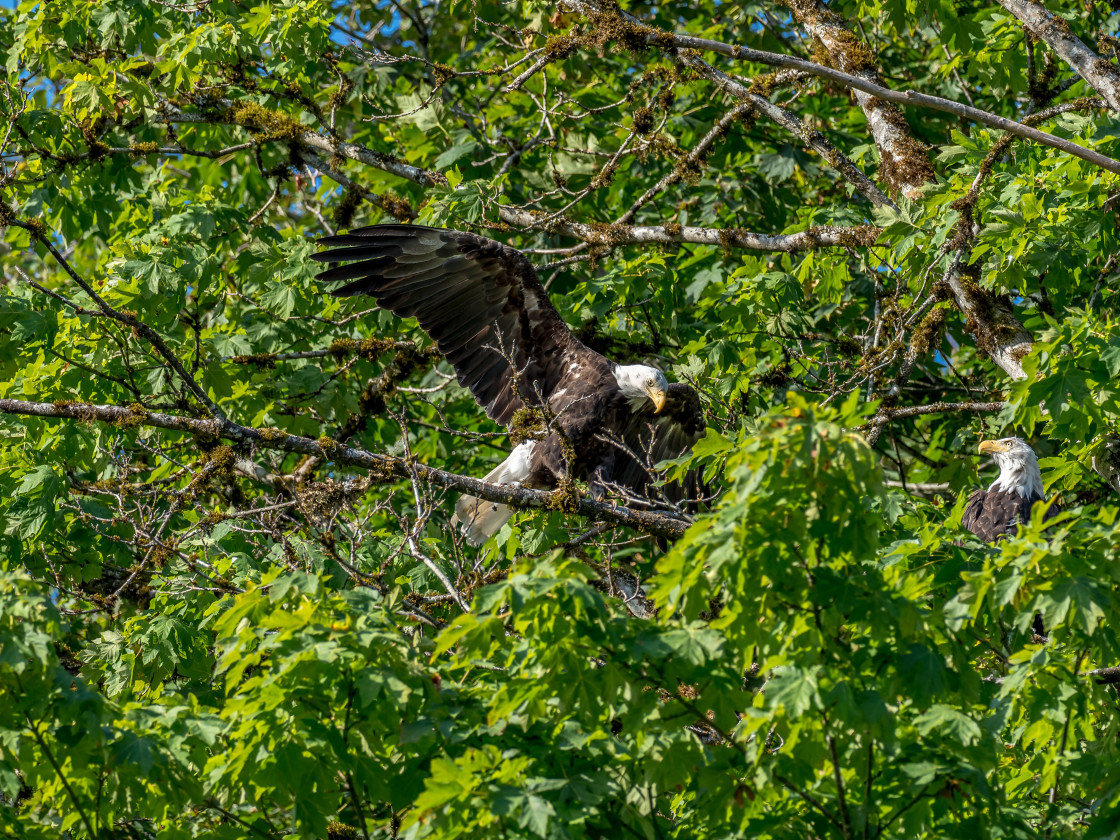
(639, 383)
(1018, 467)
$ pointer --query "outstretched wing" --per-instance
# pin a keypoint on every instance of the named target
(479, 300)
(660, 437)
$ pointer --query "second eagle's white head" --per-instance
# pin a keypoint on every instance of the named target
(1018, 466)
(639, 383)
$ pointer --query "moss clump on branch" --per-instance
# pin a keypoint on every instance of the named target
(329, 445)
(344, 210)
(526, 424)
(643, 121)
(260, 360)
(38, 228)
(325, 498)
(338, 96)
(609, 25)
(265, 124)
(989, 316)
(850, 53)
(561, 46)
(727, 237)
(91, 135)
(565, 498)
(398, 208)
(442, 73)
(163, 553)
(763, 85)
(848, 347)
(605, 175)
(367, 348)
(1104, 67)
(1108, 44)
(855, 56)
(136, 416)
(905, 161)
(818, 52)
(775, 377)
(220, 461)
(211, 519)
(859, 236)
(604, 233)
(927, 335)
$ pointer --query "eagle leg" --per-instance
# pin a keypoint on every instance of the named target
(601, 479)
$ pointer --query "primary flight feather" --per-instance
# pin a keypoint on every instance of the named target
(485, 308)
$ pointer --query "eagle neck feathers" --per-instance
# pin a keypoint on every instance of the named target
(1018, 475)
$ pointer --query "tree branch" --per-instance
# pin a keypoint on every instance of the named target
(904, 164)
(1102, 76)
(292, 131)
(788, 120)
(1105, 676)
(140, 328)
(667, 40)
(606, 234)
(792, 123)
(381, 467)
(989, 317)
(887, 415)
(907, 97)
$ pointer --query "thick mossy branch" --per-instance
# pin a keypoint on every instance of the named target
(1101, 75)
(905, 165)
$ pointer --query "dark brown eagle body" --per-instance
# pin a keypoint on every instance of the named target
(485, 308)
(991, 514)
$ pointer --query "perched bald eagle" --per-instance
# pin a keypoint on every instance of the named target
(485, 308)
(994, 513)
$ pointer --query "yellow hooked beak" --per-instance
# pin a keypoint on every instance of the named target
(987, 447)
(659, 399)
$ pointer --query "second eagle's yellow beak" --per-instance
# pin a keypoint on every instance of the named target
(987, 447)
(659, 399)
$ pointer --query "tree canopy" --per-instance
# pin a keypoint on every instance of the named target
(869, 232)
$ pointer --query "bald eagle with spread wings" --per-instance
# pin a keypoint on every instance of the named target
(485, 308)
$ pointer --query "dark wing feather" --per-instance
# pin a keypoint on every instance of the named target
(661, 437)
(479, 300)
(974, 513)
(991, 514)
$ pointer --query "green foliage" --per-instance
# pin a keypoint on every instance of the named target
(200, 637)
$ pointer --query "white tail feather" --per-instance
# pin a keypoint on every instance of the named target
(481, 519)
